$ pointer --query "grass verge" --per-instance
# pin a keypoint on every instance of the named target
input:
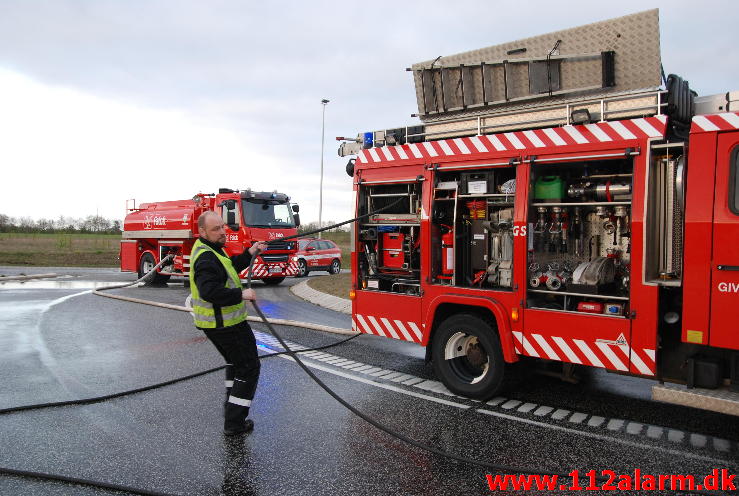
(59, 250)
(337, 285)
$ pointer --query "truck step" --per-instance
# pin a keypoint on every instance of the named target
(717, 400)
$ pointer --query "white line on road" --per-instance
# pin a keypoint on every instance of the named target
(371, 382)
(494, 414)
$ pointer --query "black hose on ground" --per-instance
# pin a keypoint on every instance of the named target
(97, 399)
(80, 481)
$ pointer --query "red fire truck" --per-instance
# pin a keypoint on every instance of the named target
(556, 206)
(154, 230)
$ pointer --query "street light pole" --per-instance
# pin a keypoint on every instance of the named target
(320, 190)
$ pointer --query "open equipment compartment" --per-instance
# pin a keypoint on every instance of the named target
(579, 236)
(389, 241)
(472, 228)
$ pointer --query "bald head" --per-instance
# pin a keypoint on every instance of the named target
(210, 227)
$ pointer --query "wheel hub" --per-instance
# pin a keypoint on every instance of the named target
(468, 358)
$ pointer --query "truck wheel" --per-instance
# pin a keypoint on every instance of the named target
(302, 268)
(146, 264)
(468, 357)
(335, 267)
(273, 281)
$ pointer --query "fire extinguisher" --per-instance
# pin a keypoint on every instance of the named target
(447, 252)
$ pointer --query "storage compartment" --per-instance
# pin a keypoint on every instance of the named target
(129, 255)
(579, 236)
(388, 246)
(472, 228)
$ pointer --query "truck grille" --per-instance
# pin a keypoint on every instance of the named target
(280, 245)
(274, 258)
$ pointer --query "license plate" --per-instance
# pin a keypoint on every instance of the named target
(275, 270)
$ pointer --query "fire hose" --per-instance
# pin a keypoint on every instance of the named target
(294, 354)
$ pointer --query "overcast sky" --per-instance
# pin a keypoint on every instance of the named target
(105, 100)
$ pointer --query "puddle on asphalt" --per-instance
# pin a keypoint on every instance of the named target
(56, 284)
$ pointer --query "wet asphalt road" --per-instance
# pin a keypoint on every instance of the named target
(55, 346)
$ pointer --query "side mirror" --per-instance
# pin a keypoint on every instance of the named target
(296, 208)
(310, 248)
(231, 220)
(297, 219)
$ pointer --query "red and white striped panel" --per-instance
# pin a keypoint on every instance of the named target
(262, 270)
(598, 353)
(292, 269)
(258, 270)
(531, 140)
(380, 326)
(715, 122)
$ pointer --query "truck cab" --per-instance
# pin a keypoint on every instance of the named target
(261, 216)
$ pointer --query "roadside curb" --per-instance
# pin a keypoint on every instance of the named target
(302, 290)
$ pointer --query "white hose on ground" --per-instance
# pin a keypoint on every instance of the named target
(294, 323)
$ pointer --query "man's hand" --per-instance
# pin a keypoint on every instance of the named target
(257, 248)
(248, 295)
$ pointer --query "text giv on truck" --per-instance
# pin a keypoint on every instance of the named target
(152, 231)
(558, 205)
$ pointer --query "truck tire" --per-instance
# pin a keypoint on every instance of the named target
(273, 281)
(302, 268)
(468, 358)
(335, 267)
(147, 263)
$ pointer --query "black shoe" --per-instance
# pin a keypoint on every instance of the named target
(247, 427)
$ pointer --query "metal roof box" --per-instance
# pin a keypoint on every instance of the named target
(616, 62)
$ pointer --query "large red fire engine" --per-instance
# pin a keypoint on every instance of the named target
(154, 230)
(557, 204)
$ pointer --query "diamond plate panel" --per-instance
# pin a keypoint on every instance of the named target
(634, 38)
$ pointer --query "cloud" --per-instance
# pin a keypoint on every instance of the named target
(104, 100)
(66, 152)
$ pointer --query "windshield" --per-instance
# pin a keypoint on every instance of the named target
(264, 215)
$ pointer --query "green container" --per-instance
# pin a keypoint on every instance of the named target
(549, 188)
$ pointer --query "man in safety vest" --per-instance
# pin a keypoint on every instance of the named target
(219, 311)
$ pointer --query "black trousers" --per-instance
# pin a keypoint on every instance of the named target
(239, 348)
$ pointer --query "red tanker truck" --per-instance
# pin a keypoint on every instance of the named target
(154, 230)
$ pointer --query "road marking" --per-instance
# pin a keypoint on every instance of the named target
(653, 433)
(560, 414)
(592, 435)
(510, 404)
(578, 417)
(372, 383)
(596, 421)
(615, 424)
(543, 411)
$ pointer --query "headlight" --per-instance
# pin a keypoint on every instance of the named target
(295, 259)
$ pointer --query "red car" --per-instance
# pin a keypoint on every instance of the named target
(318, 254)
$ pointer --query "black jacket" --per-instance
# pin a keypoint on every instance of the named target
(211, 276)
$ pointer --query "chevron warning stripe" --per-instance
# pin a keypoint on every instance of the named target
(533, 139)
(614, 355)
(715, 122)
(380, 326)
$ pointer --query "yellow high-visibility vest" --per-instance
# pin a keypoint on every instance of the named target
(204, 313)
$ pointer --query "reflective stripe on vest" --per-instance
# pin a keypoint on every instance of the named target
(204, 312)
